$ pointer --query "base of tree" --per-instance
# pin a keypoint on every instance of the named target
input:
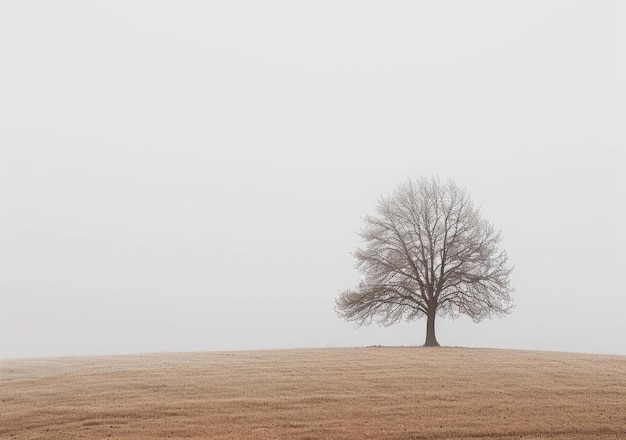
(432, 344)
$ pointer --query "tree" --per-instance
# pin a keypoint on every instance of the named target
(428, 252)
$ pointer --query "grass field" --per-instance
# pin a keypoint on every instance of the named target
(335, 393)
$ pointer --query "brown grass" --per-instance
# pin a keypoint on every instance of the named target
(358, 393)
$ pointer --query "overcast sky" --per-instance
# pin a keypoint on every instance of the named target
(190, 176)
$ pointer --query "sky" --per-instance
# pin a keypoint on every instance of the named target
(192, 176)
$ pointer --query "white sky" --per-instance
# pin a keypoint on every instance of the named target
(189, 176)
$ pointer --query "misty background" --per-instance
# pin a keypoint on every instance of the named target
(190, 176)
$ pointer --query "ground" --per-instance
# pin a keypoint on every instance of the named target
(335, 393)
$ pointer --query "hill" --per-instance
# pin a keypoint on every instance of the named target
(336, 393)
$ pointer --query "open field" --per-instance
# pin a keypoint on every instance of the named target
(356, 393)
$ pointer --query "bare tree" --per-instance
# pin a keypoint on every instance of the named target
(428, 252)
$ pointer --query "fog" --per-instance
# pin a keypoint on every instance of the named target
(191, 176)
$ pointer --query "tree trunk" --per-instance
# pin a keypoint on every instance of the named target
(431, 339)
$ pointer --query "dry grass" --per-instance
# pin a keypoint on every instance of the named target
(359, 393)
